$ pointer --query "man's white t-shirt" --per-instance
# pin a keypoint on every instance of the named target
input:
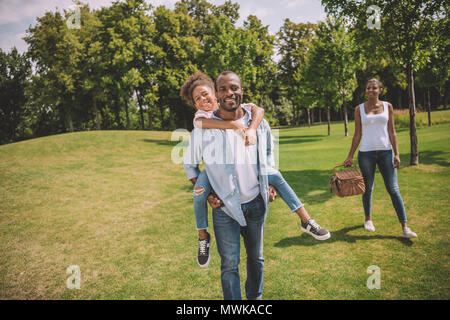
(245, 160)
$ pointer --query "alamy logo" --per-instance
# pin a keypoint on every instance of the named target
(74, 281)
(374, 20)
(374, 281)
(74, 20)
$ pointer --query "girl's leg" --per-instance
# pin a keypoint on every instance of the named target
(288, 195)
(385, 161)
(202, 189)
(308, 225)
(367, 164)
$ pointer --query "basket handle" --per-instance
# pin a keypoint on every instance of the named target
(341, 165)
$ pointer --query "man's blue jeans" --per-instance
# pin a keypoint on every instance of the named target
(384, 159)
(201, 208)
(227, 232)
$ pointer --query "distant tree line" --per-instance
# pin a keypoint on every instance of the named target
(123, 67)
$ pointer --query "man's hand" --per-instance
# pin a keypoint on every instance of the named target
(214, 201)
(272, 193)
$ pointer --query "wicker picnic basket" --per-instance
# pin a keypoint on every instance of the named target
(347, 182)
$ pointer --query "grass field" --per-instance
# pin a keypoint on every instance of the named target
(113, 203)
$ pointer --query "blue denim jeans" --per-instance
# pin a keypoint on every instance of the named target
(201, 209)
(227, 232)
(285, 191)
(368, 160)
(200, 206)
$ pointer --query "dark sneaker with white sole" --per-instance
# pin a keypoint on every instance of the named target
(203, 252)
(315, 230)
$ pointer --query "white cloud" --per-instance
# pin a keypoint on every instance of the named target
(294, 3)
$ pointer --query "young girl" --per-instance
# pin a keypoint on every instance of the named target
(374, 121)
(199, 92)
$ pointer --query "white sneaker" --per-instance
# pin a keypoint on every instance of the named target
(407, 233)
(368, 225)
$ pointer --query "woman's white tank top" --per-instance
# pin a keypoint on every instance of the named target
(375, 134)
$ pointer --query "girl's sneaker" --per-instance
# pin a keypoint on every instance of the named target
(203, 252)
(368, 225)
(315, 230)
(407, 233)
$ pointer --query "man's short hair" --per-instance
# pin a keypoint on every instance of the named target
(225, 73)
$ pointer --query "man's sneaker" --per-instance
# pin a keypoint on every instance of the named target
(203, 252)
(407, 233)
(368, 225)
(315, 230)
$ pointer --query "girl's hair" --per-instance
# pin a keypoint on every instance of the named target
(375, 80)
(195, 80)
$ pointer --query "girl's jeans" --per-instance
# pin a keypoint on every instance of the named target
(368, 160)
(201, 208)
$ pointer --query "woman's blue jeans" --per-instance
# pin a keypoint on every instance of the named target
(201, 208)
(368, 160)
(227, 232)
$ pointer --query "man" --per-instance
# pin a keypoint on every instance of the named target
(238, 175)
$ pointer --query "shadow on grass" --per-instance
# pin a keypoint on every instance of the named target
(433, 157)
(339, 235)
(162, 142)
(312, 186)
(299, 139)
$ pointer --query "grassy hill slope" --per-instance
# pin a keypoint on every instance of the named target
(114, 204)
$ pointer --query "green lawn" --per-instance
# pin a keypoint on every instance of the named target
(113, 203)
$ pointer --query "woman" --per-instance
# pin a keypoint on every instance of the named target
(374, 121)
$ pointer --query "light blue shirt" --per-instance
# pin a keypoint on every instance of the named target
(212, 146)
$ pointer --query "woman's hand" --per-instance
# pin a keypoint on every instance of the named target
(348, 162)
(396, 162)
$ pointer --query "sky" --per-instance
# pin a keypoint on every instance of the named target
(16, 16)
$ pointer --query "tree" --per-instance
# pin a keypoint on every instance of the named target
(436, 71)
(293, 43)
(15, 70)
(174, 34)
(319, 84)
(245, 50)
(342, 54)
(403, 34)
(56, 51)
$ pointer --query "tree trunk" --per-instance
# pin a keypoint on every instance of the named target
(412, 118)
(127, 115)
(150, 120)
(70, 121)
(320, 115)
(444, 96)
(97, 116)
(345, 117)
(329, 120)
(429, 107)
(117, 114)
(312, 115)
(141, 111)
(308, 111)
